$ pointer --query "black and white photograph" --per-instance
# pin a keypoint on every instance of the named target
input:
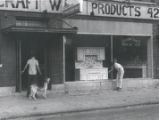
(79, 59)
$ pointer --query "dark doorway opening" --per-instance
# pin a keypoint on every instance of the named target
(34, 44)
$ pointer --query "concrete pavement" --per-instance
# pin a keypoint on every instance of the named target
(19, 105)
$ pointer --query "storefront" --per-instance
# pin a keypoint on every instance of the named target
(32, 27)
(131, 51)
(79, 47)
(123, 30)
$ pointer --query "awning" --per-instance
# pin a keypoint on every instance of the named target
(12, 24)
(40, 29)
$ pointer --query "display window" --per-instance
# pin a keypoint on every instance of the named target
(132, 52)
(95, 54)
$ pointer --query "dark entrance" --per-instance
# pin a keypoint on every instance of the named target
(48, 49)
(34, 44)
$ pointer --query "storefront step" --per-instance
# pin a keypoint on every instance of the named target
(95, 87)
(7, 91)
(88, 87)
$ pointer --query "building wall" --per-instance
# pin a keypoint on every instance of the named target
(113, 27)
(8, 51)
(155, 50)
(156, 47)
(8, 45)
(8, 60)
(56, 60)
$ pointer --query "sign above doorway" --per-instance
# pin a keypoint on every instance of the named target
(51, 6)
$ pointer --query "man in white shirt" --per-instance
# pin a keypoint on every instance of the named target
(33, 69)
(120, 73)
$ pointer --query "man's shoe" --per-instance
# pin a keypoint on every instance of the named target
(119, 89)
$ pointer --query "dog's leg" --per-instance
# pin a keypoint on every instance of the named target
(33, 96)
(44, 94)
(31, 92)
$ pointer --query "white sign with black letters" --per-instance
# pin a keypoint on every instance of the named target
(36, 5)
(99, 8)
(116, 9)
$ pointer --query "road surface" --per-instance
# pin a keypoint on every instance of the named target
(147, 112)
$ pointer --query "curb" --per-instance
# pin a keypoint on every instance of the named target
(78, 110)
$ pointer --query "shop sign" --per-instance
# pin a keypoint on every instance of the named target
(123, 10)
(72, 7)
(36, 5)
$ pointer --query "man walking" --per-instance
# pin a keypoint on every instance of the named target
(33, 69)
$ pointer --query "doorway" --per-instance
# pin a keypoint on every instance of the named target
(33, 44)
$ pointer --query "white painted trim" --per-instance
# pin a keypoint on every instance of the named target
(152, 55)
(88, 33)
(1, 65)
(64, 57)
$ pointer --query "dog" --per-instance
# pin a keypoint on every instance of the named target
(37, 91)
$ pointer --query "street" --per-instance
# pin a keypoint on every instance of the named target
(147, 112)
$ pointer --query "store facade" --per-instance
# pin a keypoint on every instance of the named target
(123, 30)
(76, 48)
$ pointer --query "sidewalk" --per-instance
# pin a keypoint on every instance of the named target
(19, 105)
